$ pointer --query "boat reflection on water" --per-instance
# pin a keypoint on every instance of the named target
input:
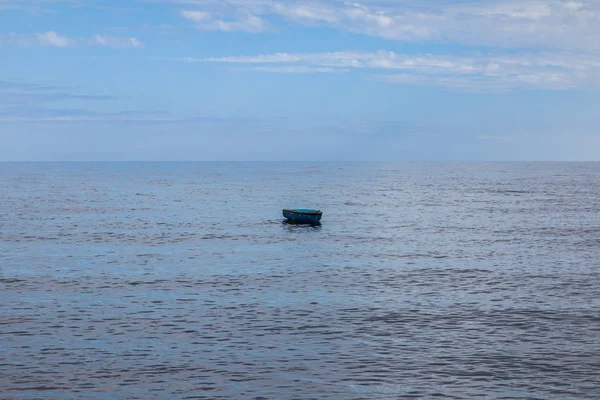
(291, 225)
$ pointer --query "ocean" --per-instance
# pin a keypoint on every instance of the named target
(181, 281)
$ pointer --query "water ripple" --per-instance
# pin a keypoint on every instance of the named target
(156, 281)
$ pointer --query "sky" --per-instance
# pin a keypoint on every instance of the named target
(246, 80)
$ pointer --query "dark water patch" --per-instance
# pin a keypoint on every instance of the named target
(12, 280)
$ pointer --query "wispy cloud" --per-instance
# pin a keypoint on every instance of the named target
(45, 115)
(558, 24)
(28, 102)
(53, 39)
(551, 24)
(23, 101)
(295, 69)
(482, 83)
(46, 39)
(379, 59)
(11, 98)
(118, 42)
(35, 113)
(307, 12)
(25, 86)
(505, 71)
(208, 21)
(32, 7)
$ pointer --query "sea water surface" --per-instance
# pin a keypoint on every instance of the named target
(180, 281)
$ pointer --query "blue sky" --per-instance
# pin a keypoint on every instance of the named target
(374, 80)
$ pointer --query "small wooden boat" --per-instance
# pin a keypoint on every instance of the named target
(303, 216)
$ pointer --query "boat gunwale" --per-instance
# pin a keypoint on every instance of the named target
(303, 212)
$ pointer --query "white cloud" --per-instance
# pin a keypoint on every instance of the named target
(307, 12)
(532, 10)
(295, 69)
(47, 39)
(572, 25)
(244, 23)
(552, 24)
(118, 42)
(380, 60)
(479, 72)
(261, 59)
(389, 24)
(53, 39)
(197, 16)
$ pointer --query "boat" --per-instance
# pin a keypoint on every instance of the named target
(303, 216)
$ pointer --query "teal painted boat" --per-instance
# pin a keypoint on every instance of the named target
(303, 216)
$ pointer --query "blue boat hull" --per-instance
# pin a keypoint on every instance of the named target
(303, 216)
